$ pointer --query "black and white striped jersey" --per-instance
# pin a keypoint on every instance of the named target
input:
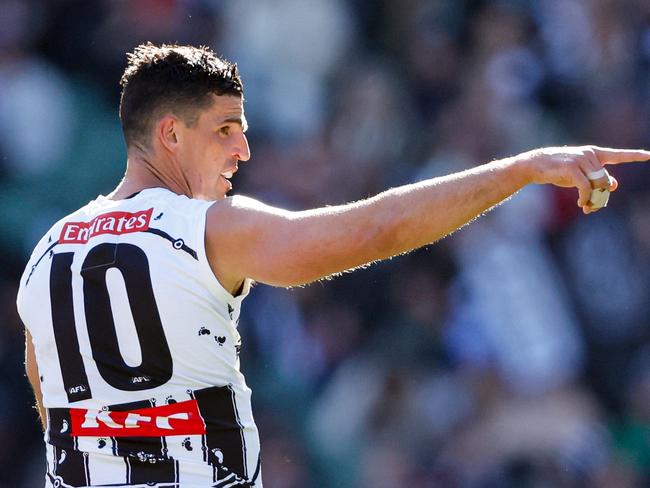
(138, 350)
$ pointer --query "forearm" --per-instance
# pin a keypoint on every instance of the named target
(399, 219)
(417, 214)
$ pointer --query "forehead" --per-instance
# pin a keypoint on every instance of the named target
(224, 107)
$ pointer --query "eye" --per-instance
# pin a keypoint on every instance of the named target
(225, 130)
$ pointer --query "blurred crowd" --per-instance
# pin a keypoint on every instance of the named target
(515, 353)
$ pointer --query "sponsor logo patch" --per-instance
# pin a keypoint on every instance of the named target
(181, 418)
(115, 223)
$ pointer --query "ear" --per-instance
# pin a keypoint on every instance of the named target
(167, 132)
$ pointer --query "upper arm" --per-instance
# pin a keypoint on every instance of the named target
(247, 239)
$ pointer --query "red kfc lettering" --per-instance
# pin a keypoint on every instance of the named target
(182, 418)
(132, 419)
(93, 417)
(163, 422)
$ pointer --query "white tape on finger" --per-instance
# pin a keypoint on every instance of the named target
(596, 175)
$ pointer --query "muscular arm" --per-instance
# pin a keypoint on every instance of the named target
(33, 376)
(248, 239)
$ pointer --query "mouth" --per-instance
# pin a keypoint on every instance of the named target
(228, 174)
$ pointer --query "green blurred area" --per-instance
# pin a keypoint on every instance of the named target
(92, 164)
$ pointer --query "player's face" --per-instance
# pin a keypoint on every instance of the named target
(213, 146)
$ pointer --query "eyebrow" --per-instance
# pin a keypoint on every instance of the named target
(237, 120)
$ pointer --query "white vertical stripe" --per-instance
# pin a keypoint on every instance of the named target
(86, 468)
(128, 469)
(105, 469)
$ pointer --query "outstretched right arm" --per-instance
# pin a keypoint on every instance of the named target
(247, 239)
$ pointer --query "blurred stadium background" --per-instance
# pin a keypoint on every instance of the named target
(515, 353)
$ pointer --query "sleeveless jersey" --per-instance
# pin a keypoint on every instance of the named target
(138, 351)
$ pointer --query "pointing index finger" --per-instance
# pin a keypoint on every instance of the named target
(607, 155)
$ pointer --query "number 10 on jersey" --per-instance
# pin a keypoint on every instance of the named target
(131, 261)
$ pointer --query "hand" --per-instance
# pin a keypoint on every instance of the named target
(568, 167)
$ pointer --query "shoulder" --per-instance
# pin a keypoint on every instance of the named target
(238, 219)
(234, 202)
(238, 231)
(240, 210)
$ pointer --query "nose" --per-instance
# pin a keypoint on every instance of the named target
(241, 151)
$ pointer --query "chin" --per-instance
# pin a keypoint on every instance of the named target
(219, 194)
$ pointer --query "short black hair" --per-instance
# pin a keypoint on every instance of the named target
(171, 78)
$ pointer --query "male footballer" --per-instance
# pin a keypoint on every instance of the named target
(131, 303)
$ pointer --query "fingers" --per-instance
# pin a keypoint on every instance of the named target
(583, 168)
(601, 182)
(592, 167)
(607, 155)
(582, 183)
(613, 183)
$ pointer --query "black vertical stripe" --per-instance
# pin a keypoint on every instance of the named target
(223, 437)
(69, 465)
(60, 428)
(241, 431)
(73, 371)
(204, 447)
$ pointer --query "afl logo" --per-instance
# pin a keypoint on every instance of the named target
(140, 379)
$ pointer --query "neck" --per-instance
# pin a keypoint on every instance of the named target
(144, 171)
